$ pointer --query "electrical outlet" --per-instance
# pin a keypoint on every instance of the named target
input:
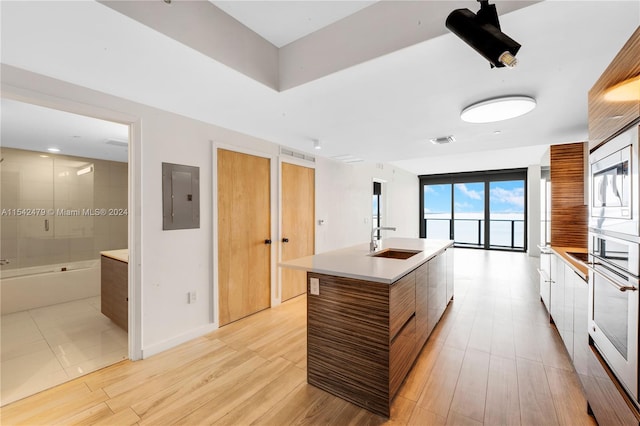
(314, 284)
(191, 297)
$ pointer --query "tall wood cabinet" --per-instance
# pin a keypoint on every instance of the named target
(607, 401)
(569, 212)
(607, 117)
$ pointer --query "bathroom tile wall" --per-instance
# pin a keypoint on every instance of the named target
(35, 180)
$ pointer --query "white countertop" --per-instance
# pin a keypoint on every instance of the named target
(122, 255)
(354, 262)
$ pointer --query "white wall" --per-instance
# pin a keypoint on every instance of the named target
(168, 264)
(344, 201)
(533, 210)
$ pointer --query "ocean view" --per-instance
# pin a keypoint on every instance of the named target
(469, 227)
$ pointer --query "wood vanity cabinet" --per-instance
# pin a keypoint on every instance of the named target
(114, 291)
(364, 336)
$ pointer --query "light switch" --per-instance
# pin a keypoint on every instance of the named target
(314, 286)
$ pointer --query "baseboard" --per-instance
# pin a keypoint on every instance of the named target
(162, 346)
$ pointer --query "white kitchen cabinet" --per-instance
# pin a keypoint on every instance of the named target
(545, 277)
(569, 297)
(567, 322)
(448, 254)
(581, 326)
(557, 292)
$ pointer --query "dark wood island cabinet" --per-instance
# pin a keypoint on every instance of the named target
(363, 335)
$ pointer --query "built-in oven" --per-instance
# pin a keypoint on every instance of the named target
(614, 184)
(614, 305)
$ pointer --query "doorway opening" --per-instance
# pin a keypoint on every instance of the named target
(64, 204)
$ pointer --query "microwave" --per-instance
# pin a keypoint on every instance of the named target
(613, 185)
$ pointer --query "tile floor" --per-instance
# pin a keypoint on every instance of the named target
(44, 347)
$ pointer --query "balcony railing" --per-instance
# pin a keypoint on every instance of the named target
(505, 233)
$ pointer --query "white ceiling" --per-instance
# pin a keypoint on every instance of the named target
(36, 128)
(281, 22)
(384, 109)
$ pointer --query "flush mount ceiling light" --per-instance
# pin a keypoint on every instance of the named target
(53, 149)
(482, 32)
(498, 109)
(626, 91)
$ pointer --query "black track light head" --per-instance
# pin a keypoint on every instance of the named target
(482, 32)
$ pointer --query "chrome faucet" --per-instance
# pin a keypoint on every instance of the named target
(373, 245)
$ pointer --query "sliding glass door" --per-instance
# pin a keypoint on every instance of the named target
(507, 214)
(437, 210)
(468, 213)
(481, 209)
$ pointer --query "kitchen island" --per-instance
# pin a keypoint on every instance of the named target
(370, 314)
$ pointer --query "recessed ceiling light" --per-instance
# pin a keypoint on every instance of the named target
(626, 91)
(53, 149)
(498, 109)
(497, 132)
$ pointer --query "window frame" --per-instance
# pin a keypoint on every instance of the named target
(486, 177)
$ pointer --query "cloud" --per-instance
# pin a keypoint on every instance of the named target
(463, 206)
(514, 197)
(473, 194)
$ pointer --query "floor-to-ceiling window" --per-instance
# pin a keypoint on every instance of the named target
(478, 209)
(377, 207)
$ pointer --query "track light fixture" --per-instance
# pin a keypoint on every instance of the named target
(482, 32)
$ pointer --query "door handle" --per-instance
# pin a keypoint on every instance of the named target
(285, 240)
(267, 241)
(622, 288)
(544, 276)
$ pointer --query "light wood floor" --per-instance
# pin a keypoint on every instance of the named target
(493, 360)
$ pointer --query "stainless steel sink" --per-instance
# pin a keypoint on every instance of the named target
(393, 253)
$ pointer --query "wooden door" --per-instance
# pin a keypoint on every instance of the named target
(244, 223)
(298, 227)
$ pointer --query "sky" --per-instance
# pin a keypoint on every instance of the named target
(504, 197)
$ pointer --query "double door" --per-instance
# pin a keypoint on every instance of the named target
(298, 217)
(244, 231)
(244, 235)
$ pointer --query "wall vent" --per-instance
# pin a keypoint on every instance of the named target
(298, 155)
(442, 140)
(348, 159)
(117, 143)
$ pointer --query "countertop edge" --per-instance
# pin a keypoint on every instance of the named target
(412, 265)
(574, 264)
(121, 255)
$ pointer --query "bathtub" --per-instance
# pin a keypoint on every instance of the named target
(34, 287)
